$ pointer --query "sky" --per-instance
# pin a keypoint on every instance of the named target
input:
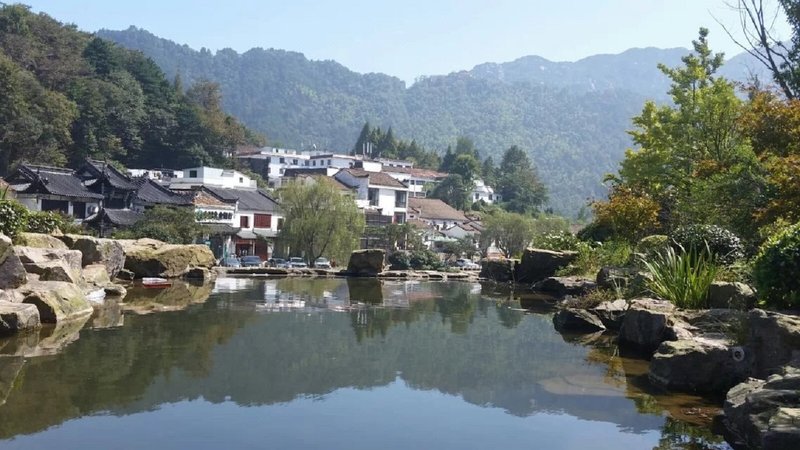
(414, 37)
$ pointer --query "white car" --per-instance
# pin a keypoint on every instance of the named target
(322, 263)
(297, 263)
(466, 264)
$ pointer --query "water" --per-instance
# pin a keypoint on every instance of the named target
(334, 364)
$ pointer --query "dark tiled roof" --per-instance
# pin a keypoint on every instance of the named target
(221, 228)
(414, 172)
(100, 169)
(50, 180)
(249, 199)
(376, 178)
(150, 191)
(120, 217)
(435, 209)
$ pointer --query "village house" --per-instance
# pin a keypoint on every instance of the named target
(415, 179)
(435, 213)
(44, 188)
(483, 192)
(383, 199)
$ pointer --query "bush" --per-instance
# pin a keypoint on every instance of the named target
(425, 260)
(723, 244)
(13, 218)
(776, 269)
(399, 261)
(592, 257)
(682, 277)
(561, 240)
(596, 232)
(45, 222)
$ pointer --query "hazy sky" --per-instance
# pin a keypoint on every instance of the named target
(413, 37)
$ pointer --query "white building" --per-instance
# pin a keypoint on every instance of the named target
(435, 213)
(416, 179)
(484, 192)
(383, 198)
(212, 176)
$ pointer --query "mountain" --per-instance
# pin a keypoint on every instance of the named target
(570, 117)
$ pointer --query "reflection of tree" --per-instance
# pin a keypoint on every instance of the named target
(508, 316)
(683, 435)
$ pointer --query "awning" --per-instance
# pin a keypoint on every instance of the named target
(246, 234)
(222, 229)
(263, 232)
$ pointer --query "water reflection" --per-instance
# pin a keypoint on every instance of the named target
(429, 337)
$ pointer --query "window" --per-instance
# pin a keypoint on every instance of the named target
(241, 180)
(399, 199)
(329, 162)
(283, 160)
(262, 221)
(314, 162)
(294, 161)
(400, 218)
(244, 222)
(372, 195)
(280, 223)
(192, 174)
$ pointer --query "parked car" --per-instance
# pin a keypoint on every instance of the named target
(467, 264)
(297, 263)
(251, 261)
(322, 263)
(279, 263)
(230, 261)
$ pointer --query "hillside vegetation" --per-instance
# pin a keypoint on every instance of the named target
(68, 95)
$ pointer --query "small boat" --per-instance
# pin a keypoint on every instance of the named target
(153, 282)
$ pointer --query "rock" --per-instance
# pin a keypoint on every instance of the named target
(52, 264)
(367, 262)
(538, 264)
(699, 365)
(39, 240)
(57, 301)
(571, 319)
(108, 252)
(774, 339)
(16, 317)
(647, 324)
(115, 290)
(12, 272)
(499, 270)
(765, 414)
(723, 294)
(611, 313)
(200, 274)
(561, 286)
(613, 278)
(151, 258)
(126, 275)
(96, 275)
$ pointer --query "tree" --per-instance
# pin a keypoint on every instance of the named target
(489, 171)
(320, 220)
(467, 166)
(510, 232)
(519, 184)
(454, 191)
(363, 138)
(168, 224)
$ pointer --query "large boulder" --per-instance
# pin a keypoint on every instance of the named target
(723, 294)
(774, 339)
(52, 264)
(649, 322)
(498, 270)
(765, 414)
(98, 251)
(538, 264)
(561, 286)
(40, 240)
(579, 320)
(57, 301)
(700, 364)
(611, 313)
(96, 275)
(12, 272)
(367, 262)
(152, 258)
(16, 317)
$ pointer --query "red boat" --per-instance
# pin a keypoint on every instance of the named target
(156, 283)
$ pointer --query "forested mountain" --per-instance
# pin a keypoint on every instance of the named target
(67, 95)
(570, 117)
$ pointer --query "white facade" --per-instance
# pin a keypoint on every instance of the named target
(388, 201)
(484, 192)
(34, 203)
(212, 176)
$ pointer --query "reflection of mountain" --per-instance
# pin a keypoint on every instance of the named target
(221, 350)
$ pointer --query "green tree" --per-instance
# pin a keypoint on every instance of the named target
(454, 191)
(489, 171)
(467, 166)
(320, 220)
(510, 232)
(168, 224)
(519, 184)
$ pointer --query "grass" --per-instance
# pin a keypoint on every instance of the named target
(682, 277)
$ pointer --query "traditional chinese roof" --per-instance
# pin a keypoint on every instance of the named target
(118, 217)
(418, 173)
(36, 179)
(151, 192)
(434, 209)
(249, 199)
(221, 229)
(202, 198)
(103, 170)
(375, 178)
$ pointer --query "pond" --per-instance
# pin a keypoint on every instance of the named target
(335, 364)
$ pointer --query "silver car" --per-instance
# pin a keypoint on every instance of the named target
(297, 263)
(322, 263)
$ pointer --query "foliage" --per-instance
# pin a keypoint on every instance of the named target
(454, 191)
(384, 145)
(518, 183)
(628, 215)
(425, 259)
(776, 269)
(682, 277)
(45, 222)
(559, 240)
(399, 260)
(464, 246)
(510, 232)
(13, 218)
(168, 224)
(724, 246)
(69, 95)
(592, 257)
(319, 220)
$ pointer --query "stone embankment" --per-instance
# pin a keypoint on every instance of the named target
(62, 279)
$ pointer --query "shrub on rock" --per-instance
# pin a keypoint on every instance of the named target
(725, 246)
(776, 269)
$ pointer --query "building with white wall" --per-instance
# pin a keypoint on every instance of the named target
(482, 191)
(383, 198)
(415, 179)
(212, 176)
